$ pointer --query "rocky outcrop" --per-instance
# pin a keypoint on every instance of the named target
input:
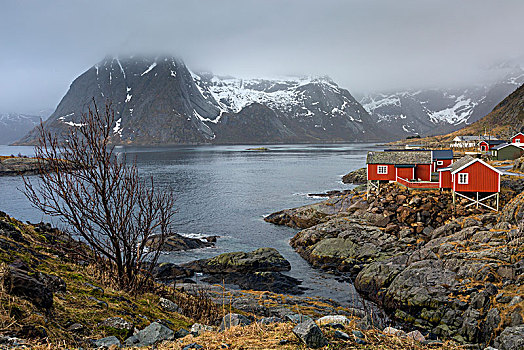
(310, 334)
(519, 165)
(356, 177)
(176, 242)
(262, 259)
(19, 166)
(426, 264)
(152, 334)
(271, 281)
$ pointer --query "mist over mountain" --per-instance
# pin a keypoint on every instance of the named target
(160, 101)
(429, 112)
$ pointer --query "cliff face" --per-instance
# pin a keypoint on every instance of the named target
(160, 101)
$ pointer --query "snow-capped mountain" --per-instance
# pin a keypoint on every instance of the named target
(438, 111)
(160, 101)
(15, 125)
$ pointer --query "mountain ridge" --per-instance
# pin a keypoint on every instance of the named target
(161, 101)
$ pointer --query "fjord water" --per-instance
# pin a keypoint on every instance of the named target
(227, 191)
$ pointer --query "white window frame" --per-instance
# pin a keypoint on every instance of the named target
(440, 162)
(483, 148)
(463, 178)
(517, 140)
(382, 170)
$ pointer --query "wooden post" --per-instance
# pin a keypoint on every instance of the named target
(477, 200)
(497, 201)
(453, 198)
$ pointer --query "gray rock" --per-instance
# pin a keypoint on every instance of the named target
(181, 333)
(394, 331)
(231, 320)
(416, 335)
(192, 346)
(168, 305)
(259, 260)
(75, 327)
(198, 328)
(152, 334)
(269, 320)
(117, 323)
(511, 338)
(341, 335)
(517, 299)
(297, 318)
(107, 342)
(20, 283)
(310, 334)
(341, 319)
(358, 334)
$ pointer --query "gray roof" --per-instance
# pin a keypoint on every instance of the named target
(399, 157)
(470, 138)
(461, 162)
(504, 145)
(442, 154)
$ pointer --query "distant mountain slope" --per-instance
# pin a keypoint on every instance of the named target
(506, 119)
(438, 111)
(13, 126)
(160, 101)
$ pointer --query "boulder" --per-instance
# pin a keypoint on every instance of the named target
(117, 323)
(340, 319)
(271, 281)
(341, 335)
(169, 272)
(107, 342)
(511, 338)
(394, 331)
(269, 320)
(310, 334)
(262, 259)
(192, 346)
(198, 328)
(152, 334)
(168, 305)
(176, 242)
(356, 177)
(232, 320)
(20, 283)
(416, 335)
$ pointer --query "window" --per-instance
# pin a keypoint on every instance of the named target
(440, 162)
(482, 148)
(463, 178)
(517, 140)
(382, 169)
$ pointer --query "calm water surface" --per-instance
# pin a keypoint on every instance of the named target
(227, 190)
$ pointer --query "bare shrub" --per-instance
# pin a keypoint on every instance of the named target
(101, 197)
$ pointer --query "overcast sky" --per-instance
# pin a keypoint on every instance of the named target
(364, 45)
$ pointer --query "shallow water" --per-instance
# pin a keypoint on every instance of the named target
(227, 190)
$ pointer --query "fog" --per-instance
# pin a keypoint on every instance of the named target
(364, 45)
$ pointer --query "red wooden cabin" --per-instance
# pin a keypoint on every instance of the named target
(487, 145)
(473, 179)
(519, 138)
(390, 165)
(441, 159)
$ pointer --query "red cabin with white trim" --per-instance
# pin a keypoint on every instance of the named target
(391, 165)
(487, 145)
(470, 175)
(519, 138)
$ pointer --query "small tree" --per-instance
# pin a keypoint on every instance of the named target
(101, 197)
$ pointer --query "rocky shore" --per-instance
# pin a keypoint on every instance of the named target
(12, 166)
(51, 299)
(453, 274)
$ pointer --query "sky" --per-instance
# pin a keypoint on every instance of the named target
(364, 45)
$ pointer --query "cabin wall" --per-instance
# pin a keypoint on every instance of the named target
(519, 138)
(374, 175)
(445, 179)
(423, 172)
(405, 173)
(480, 179)
(483, 147)
(509, 153)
